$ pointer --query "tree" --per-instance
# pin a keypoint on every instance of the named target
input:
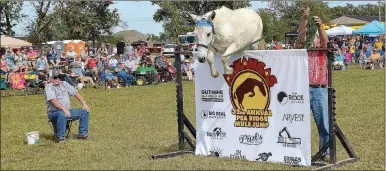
(291, 11)
(11, 16)
(175, 18)
(360, 10)
(273, 27)
(40, 29)
(84, 20)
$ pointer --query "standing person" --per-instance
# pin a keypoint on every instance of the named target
(318, 94)
(129, 50)
(57, 95)
(120, 48)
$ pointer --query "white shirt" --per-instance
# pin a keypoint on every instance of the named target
(113, 62)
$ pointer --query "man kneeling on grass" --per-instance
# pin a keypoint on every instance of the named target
(57, 94)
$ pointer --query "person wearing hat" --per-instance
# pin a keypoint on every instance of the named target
(41, 79)
(57, 96)
(187, 68)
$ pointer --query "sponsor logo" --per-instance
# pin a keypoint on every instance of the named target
(238, 155)
(212, 114)
(212, 96)
(292, 160)
(264, 156)
(293, 117)
(215, 152)
(284, 98)
(287, 140)
(217, 133)
(251, 139)
(249, 88)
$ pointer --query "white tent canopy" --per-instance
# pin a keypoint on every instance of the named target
(339, 30)
(7, 41)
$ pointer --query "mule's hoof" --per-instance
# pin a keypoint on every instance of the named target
(229, 71)
(215, 75)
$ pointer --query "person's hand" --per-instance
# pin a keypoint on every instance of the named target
(67, 113)
(305, 14)
(317, 21)
(85, 107)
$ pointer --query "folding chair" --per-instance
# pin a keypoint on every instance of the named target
(68, 127)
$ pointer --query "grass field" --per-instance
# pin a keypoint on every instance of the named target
(128, 125)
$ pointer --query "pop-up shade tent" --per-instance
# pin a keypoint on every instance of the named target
(375, 27)
(7, 41)
(340, 30)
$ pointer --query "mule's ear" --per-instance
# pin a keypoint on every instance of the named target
(211, 16)
(194, 17)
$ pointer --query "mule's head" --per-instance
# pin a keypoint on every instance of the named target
(204, 31)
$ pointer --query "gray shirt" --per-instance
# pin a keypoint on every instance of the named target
(61, 92)
(78, 71)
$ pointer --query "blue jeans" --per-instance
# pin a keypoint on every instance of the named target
(127, 78)
(319, 108)
(59, 118)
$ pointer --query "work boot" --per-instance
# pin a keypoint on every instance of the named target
(61, 140)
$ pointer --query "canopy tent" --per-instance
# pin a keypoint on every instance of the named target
(375, 27)
(340, 30)
(7, 41)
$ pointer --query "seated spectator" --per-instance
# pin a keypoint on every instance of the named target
(113, 62)
(52, 57)
(110, 77)
(10, 61)
(71, 55)
(42, 62)
(63, 58)
(31, 58)
(92, 63)
(78, 72)
(130, 65)
(121, 73)
(4, 67)
(41, 79)
(18, 58)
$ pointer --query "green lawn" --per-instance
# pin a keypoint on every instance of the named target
(128, 126)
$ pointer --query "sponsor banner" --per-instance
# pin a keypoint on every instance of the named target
(260, 112)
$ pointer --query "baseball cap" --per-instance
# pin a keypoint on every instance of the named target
(55, 73)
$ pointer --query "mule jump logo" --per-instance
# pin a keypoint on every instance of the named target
(249, 88)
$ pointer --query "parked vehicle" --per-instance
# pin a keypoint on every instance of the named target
(168, 50)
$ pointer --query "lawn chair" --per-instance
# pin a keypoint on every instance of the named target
(339, 63)
(68, 127)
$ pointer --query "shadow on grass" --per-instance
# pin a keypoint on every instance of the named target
(47, 136)
(169, 149)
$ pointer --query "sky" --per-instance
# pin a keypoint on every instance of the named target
(139, 14)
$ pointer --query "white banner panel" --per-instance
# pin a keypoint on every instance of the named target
(261, 112)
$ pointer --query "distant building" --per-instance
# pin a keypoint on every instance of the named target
(355, 21)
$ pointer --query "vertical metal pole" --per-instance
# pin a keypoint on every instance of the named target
(180, 100)
(331, 120)
(379, 11)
